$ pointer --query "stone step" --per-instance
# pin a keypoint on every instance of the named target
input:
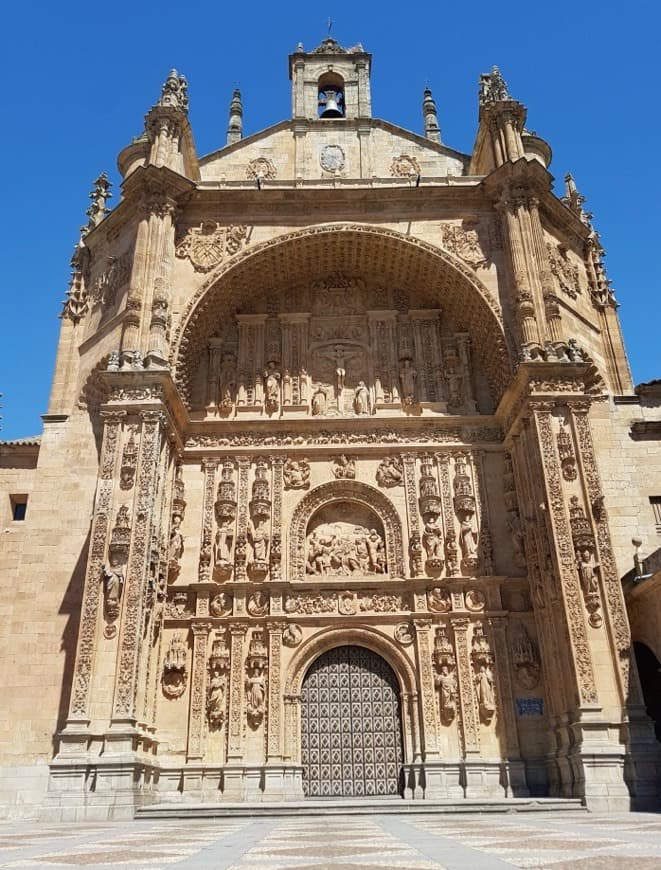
(325, 807)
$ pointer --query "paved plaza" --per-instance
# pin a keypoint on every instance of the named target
(408, 842)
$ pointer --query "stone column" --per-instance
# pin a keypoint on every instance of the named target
(213, 375)
(451, 545)
(198, 693)
(240, 548)
(275, 550)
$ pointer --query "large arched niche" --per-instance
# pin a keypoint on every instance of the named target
(368, 502)
(380, 257)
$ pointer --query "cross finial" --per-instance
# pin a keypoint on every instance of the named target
(330, 24)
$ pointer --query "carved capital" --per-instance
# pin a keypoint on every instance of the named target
(201, 628)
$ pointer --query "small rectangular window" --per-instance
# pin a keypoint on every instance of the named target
(19, 506)
(655, 501)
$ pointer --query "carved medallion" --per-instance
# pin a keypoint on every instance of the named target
(438, 600)
(221, 604)
(331, 158)
(207, 246)
(404, 634)
(475, 600)
(260, 167)
(404, 166)
(292, 634)
(296, 474)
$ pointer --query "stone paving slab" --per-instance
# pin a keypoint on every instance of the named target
(406, 842)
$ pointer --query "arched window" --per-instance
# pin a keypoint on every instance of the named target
(331, 96)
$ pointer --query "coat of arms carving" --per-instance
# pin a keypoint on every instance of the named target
(207, 246)
(464, 242)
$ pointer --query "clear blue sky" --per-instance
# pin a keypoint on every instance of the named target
(78, 78)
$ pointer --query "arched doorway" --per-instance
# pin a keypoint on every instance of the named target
(351, 731)
(649, 670)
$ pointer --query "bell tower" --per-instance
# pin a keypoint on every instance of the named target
(330, 82)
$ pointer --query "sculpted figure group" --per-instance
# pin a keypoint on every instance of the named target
(344, 552)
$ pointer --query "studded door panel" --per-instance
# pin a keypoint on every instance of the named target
(351, 736)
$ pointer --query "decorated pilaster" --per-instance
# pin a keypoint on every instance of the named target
(198, 695)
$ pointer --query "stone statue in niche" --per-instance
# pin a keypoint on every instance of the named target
(227, 391)
(525, 658)
(255, 696)
(176, 545)
(407, 378)
(344, 467)
(296, 473)
(446, 683)
(341, 549)
(467, 541)
(173, 679)
(216, 698)
(287, 393)
(271, 389)
(259, 540)
(390, 472)
(361, 400)
(340, 368)
(516, 533)
(486, 697)
(222, 551)
(454, 378)
(432, 538)
(319, 402)
(113, 584)
(303, 386)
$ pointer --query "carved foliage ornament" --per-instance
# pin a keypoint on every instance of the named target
(207, 246)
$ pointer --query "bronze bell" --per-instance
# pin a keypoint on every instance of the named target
(331, 100)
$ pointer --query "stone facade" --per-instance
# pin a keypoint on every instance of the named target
(332, 387)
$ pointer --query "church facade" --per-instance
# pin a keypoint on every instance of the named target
(329, 499)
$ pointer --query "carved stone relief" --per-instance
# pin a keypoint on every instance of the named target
(390, 472)
(587, 566)
(565, 272)
(207, 246)
(344, 540)
(464, 241)
(261, 167)
(175, 673)
(525, 657)
(404, 166)
(296, 474)
(221, 604)
(292, 634)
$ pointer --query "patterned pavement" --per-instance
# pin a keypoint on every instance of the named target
(401, 842)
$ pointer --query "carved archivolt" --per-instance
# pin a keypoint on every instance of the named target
(305, 256)
(352, 491)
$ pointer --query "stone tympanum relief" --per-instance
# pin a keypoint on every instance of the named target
(335, 348)
(345, 539)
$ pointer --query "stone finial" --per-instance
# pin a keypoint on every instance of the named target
(99, 194)
(574, 200)
(174, 92)
(235, 125)
(492, 87)
(432, 130)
